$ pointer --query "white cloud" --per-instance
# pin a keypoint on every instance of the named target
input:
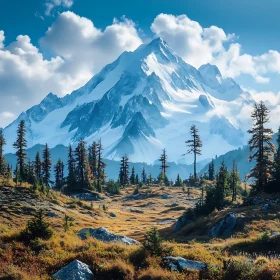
(51, 4)
(79, 51)
(6, 118)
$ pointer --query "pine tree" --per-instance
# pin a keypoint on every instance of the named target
(195, 146)
(71, 178)
(163, 164)
(93, 160)
(20, 146)
(16, 175)
(234, 181)
(2, 157)
(46, 166)
(137, 181)
(144, 176)
(261, 147)
(38, 167)
(124, 171)
(222, 185)
(30, 173)
(83, 173)
(132, 176)
(150, 179)
(211, 171)
(276, 169)
(59, 174)
(153, 242)
(100, 172)
(179, 182)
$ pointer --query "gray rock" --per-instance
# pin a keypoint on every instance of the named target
(88, 196)
(76, 270)
(166, 196)
(113, 215)
(180, 264)
(257, 201)
(104, 235)
(274, 233)
(225, 226)
(266, 207)
(181, 222)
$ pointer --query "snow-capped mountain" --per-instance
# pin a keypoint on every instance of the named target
(143, 102)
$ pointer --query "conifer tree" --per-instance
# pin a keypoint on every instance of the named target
(234, 181)
(46, 166)
(100, 172)
(222, 185)
(276, 169)
(30, 173)
(144, 176)
(178, 182)
(137, 181)
(211, 171)
(132, 176)
(195, 146)
(93, 160)
(59, 174)
(20, 146)
(261, 147)
(38, 167)
(16, 175)
(163, 163)
(150, 179)
(9, 171)
(2, 157)
(71, 179)
(124, 171)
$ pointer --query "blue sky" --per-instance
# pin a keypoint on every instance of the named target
(244, 42)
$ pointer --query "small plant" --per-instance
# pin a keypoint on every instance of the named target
(37, 227)
(67, 222)
(153, 242)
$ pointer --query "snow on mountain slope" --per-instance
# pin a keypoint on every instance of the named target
(144, 101)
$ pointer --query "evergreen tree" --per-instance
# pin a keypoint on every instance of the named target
(46, 166)
(93, 160)
(144, 176)
(83, 175)
(2, 157)
(132, 176)
(59, 174)
(38, 167)
(20, 146)
(234, 181)
(276, 169)
(153, 242)
(16, 175)
(163, 163)
(211, 171)
(179, 182)
(137, 181)
(30, 173)
(222, 186)
(9, 172)
(194, 145)
(124, 171)
(261, 147)
(71, 179)
(100, 172)
(150, 179)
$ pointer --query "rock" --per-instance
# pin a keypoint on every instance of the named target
(51, 214)
(133, 210)
(88, 196)
(166, 196)
(166, 221)
(180, 264)
(104, 235)
(181, 222)
(257, 201)
(225, 227)
(113, 215)
(274, 233)
(76, 270)
(266, 207)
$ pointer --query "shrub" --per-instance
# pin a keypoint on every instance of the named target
(153, 242)
(37, 228)
(156, 274)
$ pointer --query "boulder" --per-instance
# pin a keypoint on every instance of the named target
(274, 233)
(225, 227)
(180, 264)
(76, 270)
(166, 196)
(105, 235)
(113, 215)
(88, 196)
(181, 222)
(51, 214)
(266, 207)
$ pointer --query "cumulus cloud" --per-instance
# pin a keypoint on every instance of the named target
(198, 45)
(51, 4)
(79, 51)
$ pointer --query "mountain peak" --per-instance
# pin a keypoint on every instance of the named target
(210, 69)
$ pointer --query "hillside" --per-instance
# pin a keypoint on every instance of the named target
(250, 252)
